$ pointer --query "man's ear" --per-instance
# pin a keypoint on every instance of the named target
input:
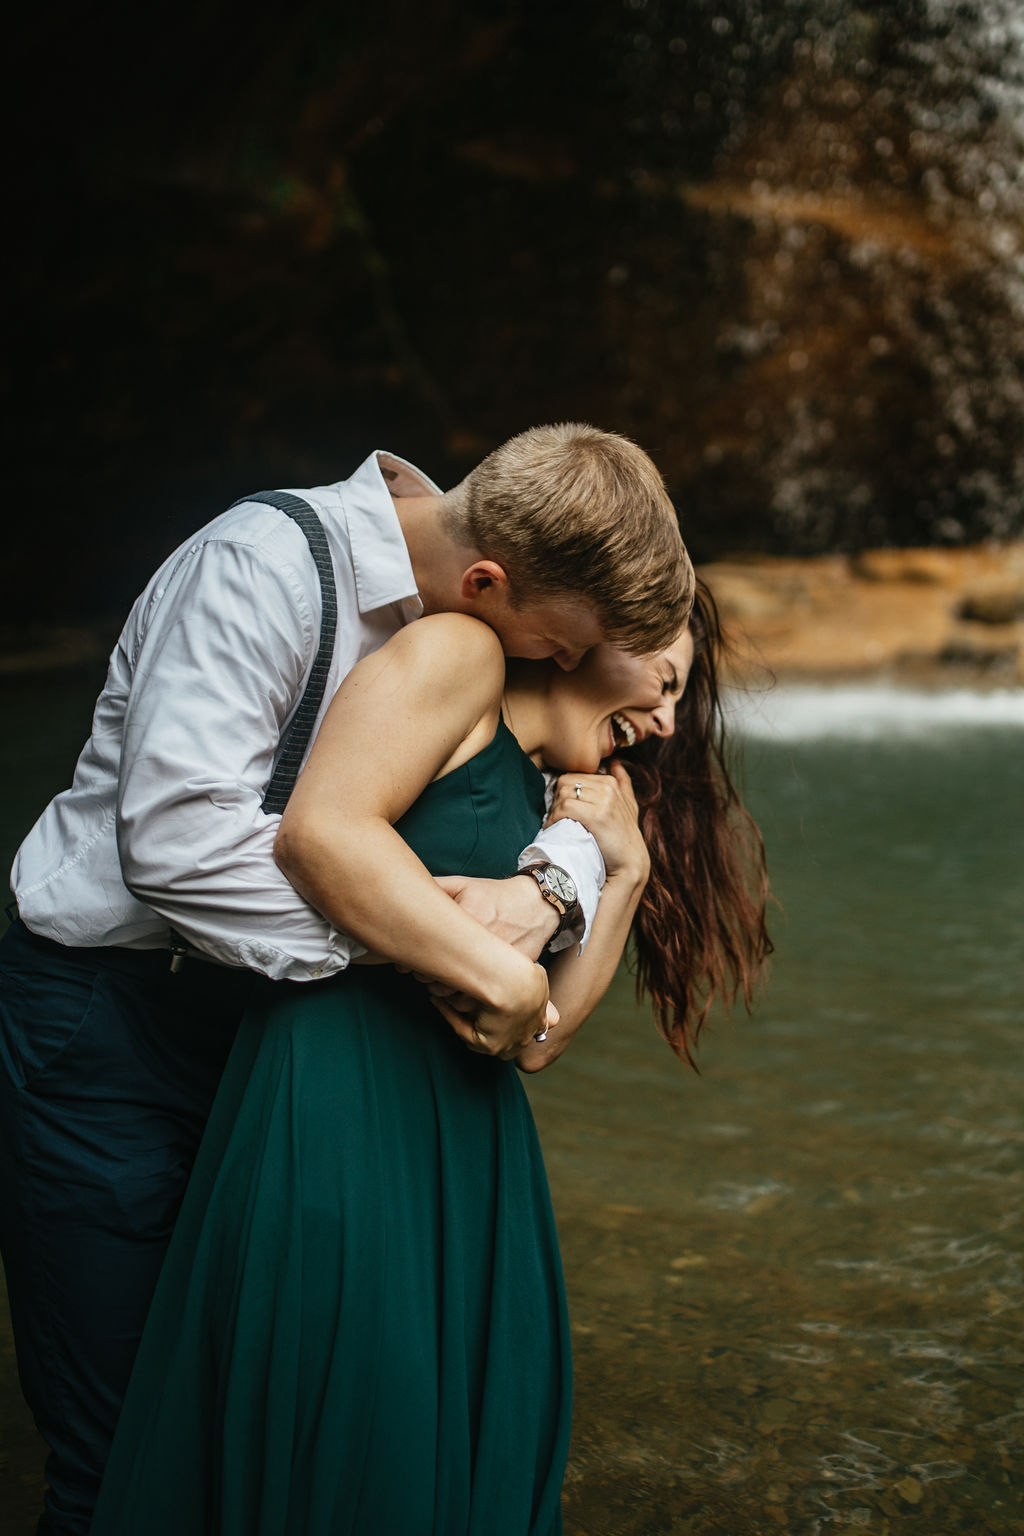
(482, 578)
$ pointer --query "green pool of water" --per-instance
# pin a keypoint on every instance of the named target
(796, 1281)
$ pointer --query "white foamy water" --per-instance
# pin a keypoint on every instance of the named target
(807, 713)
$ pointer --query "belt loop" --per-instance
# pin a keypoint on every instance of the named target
(179, 949)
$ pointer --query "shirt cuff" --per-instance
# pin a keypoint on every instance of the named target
(569, 844)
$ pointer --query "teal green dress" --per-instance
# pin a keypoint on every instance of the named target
(360, 1328)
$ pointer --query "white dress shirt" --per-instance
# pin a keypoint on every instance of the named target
(162, 827)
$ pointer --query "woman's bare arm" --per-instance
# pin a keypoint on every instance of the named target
(578, 982)
(425, 700)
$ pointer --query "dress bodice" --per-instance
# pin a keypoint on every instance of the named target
(476, 819)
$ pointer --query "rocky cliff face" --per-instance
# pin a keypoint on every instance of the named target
(779, 242)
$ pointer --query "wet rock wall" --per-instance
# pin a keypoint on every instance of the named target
(778, 242)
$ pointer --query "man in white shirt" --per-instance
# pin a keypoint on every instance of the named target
(562, 537)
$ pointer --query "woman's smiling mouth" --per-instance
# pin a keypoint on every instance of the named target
(623, 733)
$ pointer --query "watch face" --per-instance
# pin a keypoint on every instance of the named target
(561, 883)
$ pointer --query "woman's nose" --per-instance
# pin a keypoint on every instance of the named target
(663, 720)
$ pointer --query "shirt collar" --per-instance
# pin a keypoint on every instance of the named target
(380, 559)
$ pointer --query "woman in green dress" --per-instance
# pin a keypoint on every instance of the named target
(360, 1328)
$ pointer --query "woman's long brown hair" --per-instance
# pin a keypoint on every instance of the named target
(700, 932)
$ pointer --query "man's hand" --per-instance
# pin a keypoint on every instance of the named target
(513, 909)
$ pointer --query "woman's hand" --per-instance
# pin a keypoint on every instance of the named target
(518, 1012)
(538, 1054)
(607, 807)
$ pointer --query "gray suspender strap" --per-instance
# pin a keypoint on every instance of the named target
(296, 740)
(301, 727)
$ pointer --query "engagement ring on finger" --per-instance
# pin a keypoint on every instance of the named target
(543, 1034)
(578, 789)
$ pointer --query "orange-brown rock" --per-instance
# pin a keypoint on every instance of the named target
(928, 613)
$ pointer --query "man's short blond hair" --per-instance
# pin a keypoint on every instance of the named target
(572, 512)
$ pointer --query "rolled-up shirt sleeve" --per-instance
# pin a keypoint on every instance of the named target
(222, 654)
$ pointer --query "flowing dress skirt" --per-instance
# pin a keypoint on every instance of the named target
(360, 1329)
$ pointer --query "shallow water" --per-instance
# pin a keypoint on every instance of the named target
(796, 1280)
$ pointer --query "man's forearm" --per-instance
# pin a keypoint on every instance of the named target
(513, 909)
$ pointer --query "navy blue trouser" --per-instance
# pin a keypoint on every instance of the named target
(108, 1066)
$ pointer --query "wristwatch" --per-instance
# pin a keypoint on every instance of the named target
(557, 887)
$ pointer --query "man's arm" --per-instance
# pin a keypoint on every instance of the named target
(221, 662)
(514, 908)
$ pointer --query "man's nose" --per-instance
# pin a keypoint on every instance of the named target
(566, 659)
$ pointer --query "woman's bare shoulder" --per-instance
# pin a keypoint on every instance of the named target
(460, 627)
(458, 637)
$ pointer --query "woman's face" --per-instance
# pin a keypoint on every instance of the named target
(613, 701)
